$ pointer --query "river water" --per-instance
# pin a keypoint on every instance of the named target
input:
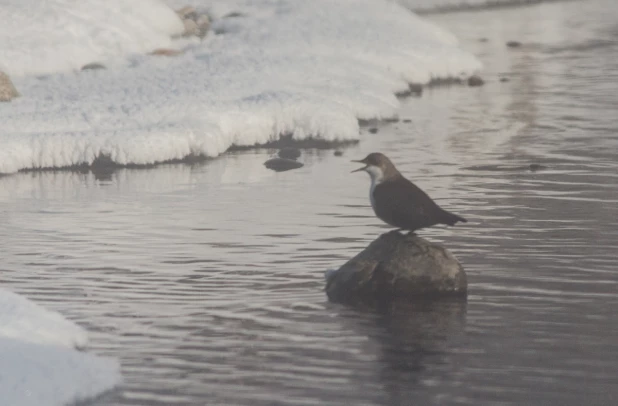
(206, 280)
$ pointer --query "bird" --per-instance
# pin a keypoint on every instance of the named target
(399, 202)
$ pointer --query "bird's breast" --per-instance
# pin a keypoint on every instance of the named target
(372, 189)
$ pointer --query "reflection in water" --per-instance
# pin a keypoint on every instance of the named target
(415, 341)
(207, 279)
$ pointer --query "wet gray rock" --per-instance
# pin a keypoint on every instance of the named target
(397, 266)
(7, 89)
(373, 130)
(475, 81)
(513, 44)
(191, 28)
(195, 24)
(338, 153)
(93, 66)
(504, 79)
(203, 25)
(282, 164)
(289, 153)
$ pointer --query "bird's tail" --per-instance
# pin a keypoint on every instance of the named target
(450, 218)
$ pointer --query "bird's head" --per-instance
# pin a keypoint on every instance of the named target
(378, 166)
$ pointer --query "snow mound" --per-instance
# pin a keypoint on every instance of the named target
(38, 362)
(41, 37)
(284, 67)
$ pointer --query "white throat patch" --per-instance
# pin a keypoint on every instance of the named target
(376, 175)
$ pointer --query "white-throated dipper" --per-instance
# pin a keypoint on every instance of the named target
(399, 202)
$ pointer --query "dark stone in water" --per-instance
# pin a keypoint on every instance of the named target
(474, 81)
(93, 66)
(416, 88)
(397, 267)
(513, 44)
(373, 130)
(407, 120)
(536, 167)
(483, 39)
(504, 80)
(282, 164)
(289, 153)
(338, 153)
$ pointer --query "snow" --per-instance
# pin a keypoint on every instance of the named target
(306, 69)
(456, 5)
(38, 362)
(41, 37)
(26, 320)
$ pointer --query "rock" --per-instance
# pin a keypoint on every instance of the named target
(397, 267)
(536, 167)
(407, 120)
(203, 25)
(483, 39)
(191, 28)
(166, 52)
(289, 153)
(373, 130)
(513, 44)
(93, 66)
(282, 164)
(187, 12)
(234, 14)
(7, 89)
(338, 153)
(504, 79)
(416, 88)
(474, 81)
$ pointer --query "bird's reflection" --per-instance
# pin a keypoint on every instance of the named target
(415, 341)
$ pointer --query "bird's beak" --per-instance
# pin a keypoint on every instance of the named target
(359, 169)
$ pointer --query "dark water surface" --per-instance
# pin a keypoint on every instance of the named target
(206, 280)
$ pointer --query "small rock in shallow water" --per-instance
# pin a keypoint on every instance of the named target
(504, 80)
(407, 120)
(282, 164)
(483, 39)
(536, 167)
(373, 130)
(474, 81)
(513, 44)
(416, 88)
(93, 66)
(338, 153)
(7, 89)
(289, 153)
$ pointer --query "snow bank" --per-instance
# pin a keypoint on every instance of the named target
(20, 318)
(309, 69)
(460, 5)
(38, 362)
(41, 37)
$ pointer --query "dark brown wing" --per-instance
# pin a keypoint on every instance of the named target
(402, 204)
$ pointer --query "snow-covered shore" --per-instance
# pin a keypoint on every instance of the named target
(309, 69)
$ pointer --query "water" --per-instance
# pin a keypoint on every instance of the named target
(206, 280)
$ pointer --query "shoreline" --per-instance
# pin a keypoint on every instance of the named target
(103, 165)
